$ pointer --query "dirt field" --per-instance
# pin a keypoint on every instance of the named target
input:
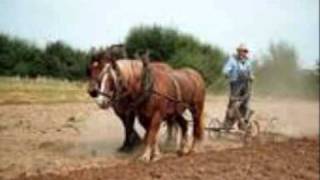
(293, 159)
(79, 141)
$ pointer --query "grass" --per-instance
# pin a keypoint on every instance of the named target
(16, 90)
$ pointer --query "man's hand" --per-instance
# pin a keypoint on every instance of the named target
(251, 78)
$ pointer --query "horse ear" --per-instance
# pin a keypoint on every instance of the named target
(136, 55)
(146, 58)
(114, 64)
(124, 51)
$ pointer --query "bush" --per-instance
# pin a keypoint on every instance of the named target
(19, 57)
(177, 49)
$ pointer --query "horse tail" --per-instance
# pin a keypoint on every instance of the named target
(198, 124)
(198, 103)
(202, 125)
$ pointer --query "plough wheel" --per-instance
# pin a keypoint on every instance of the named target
(214, 128)
(252, 131)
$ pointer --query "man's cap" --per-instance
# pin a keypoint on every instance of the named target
(242, 47)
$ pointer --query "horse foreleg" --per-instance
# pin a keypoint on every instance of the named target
(132, 139)
(150, 138)
(156, 154)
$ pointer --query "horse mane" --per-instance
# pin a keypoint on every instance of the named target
(113, 52)
(97, 56)
(130, 72)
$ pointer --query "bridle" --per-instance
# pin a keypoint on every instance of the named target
(102, 78)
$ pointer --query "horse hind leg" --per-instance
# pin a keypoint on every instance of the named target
(198, 127)
(172, 132)
(170, 129)
(184, 131)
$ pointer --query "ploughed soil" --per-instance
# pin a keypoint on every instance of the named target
(291, 159)
(79, 141)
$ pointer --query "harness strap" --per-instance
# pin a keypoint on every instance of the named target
(177, 88)
(147, 81)
(146, 86)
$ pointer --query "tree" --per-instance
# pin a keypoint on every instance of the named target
(64, 62)
(178, 49)
(19, 57)
(160, 41)
(280, 73)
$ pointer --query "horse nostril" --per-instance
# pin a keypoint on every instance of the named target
(93, 93)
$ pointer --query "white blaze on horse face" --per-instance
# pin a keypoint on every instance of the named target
(102, 100)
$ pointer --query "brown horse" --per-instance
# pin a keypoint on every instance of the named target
(169, 96)
(122, 107)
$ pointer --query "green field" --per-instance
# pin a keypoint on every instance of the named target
(16, 90)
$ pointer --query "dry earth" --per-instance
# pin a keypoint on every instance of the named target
(79, 141)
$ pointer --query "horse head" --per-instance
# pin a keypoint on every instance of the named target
(97, 63)
(106, 79)
(109, 84)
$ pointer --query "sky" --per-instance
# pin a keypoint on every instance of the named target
(224, 23)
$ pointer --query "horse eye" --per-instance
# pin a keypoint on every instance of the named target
(95, 64)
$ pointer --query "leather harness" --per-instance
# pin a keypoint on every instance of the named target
(147, 81)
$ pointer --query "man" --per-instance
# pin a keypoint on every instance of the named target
(238, 70)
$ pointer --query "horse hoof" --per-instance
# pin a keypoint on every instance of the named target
(156, 158)
(182, 153)
(136, 141)
(191, 152)
(121, 149)
(135, 145)
(125, 149)
(144, 159)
